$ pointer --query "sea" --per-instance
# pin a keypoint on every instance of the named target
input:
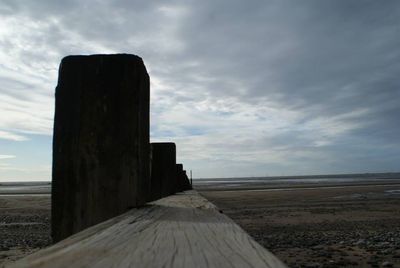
(295, 182)
(243, 183)
(25, 188)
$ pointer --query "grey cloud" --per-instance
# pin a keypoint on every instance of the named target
(322, 60)
(325, 58)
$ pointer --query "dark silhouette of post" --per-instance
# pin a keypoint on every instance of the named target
(101, 140)
(179, 177)
(183, 181)
(188, 183)
(163, 170)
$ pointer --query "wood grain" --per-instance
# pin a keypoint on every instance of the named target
(182, 230)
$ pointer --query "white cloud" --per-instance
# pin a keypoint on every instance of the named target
(12, 136)
(6, 156)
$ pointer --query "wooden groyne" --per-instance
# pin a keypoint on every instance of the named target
(105, 170)
(181, 230)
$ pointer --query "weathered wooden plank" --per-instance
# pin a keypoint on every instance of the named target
(101, 140)
(183, 230)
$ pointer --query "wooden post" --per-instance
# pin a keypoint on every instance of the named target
(179, 177)
(188, 183)
(182, 179)
(101, 140)
(163, 170)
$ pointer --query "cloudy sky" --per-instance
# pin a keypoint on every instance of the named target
(244, 88)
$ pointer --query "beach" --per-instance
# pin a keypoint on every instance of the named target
(24, 225)
(306, 222)
(320, 226)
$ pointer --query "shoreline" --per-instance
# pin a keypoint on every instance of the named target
(267, 189)
(279, 186)
(25, 194)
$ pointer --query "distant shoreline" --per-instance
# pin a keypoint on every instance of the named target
(344, 175)
(24, 194)
(281, 183)
(299, 187)
(378, 175)
(305, 182)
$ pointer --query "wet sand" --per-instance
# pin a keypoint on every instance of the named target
(351, 226)
(24, 225)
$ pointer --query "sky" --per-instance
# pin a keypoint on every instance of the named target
(244, 88)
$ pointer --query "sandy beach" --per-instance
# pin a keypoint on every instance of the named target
(330, 226)
(24, 225)
(353, 224)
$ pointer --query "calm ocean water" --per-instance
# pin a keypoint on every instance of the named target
(28, 188)
(25, 188)
(295, 181)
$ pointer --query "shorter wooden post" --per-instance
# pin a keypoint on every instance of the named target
(183, 180)
(163, 180)
(179, 178)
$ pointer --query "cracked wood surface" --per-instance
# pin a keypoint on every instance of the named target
(182, 230)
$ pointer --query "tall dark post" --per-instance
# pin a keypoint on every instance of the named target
(163, 170)
(101, 140)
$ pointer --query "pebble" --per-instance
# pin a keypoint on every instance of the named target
(387, 264)
(312, 265)
(360, 242)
